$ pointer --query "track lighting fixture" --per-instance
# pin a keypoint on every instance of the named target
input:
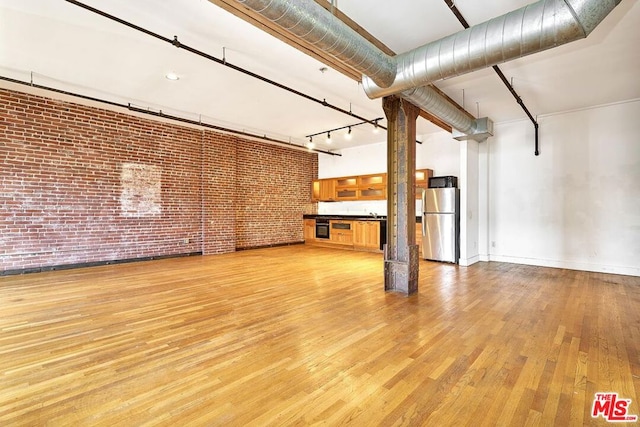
(348, 134)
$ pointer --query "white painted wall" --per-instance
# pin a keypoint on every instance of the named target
(440, 152)
(361, 160)
(577, 205)
(354, 161)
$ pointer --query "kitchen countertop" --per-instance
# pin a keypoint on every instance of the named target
(352, 217)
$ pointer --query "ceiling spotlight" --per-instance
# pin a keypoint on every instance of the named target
(172, 76)
(348, 134)
(328, 137)
(375, 126)
(310, 145)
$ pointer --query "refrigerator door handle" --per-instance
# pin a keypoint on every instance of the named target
(424, 208)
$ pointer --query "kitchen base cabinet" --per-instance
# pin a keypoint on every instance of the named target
(309, 230)
(359, 235)
(366, 235)
(355, 233)
(341, 232)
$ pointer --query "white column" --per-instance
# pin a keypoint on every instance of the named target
(483, 201)
(469, 202)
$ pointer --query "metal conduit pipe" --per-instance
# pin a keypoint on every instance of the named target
(530, 29)
(314, 24)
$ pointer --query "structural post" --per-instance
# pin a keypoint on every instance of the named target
(401, 252)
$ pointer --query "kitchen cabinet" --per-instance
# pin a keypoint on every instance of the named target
(309, 229)
(350, 193)
(363, 187)
(372, 187)
(366, 234)
(419, 238)
(346, 188)
(348, 181)
(324, 190)
(346, 233)
(422, 181)
(341, 232)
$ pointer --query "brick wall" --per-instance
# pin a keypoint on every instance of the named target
(81, 184)
(269, 207)
(219, 178)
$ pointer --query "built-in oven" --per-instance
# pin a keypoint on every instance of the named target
(322, 228)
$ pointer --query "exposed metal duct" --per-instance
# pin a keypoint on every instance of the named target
(430, 100)
(533, 28)
(312, 23)
(530, 29)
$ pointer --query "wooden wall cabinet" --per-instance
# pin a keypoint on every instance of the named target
(346, 188)
(363, 187)
(422, 181)
(372, 187)
(323, 190)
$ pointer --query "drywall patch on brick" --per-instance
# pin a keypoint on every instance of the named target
(141, 190)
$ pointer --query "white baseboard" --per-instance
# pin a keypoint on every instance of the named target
(570, 265)
(466, 262)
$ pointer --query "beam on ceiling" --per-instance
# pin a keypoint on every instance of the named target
(355, 27)
(248, 15)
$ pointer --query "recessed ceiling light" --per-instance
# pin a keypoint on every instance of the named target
(172, 76)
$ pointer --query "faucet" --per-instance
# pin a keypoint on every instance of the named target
(374, 215)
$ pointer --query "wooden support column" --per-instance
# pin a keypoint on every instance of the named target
(401, 252)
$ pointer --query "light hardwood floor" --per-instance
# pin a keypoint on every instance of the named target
(302, 335)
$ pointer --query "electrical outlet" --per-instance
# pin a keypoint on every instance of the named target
(493, 244)
(186, 241)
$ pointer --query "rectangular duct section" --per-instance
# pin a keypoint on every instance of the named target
(482, 131)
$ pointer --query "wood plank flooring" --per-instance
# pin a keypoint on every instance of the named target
(306, 335)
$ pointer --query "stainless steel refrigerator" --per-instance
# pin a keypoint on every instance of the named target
(441, 224)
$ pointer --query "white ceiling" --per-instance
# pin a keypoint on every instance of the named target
(69, 48)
